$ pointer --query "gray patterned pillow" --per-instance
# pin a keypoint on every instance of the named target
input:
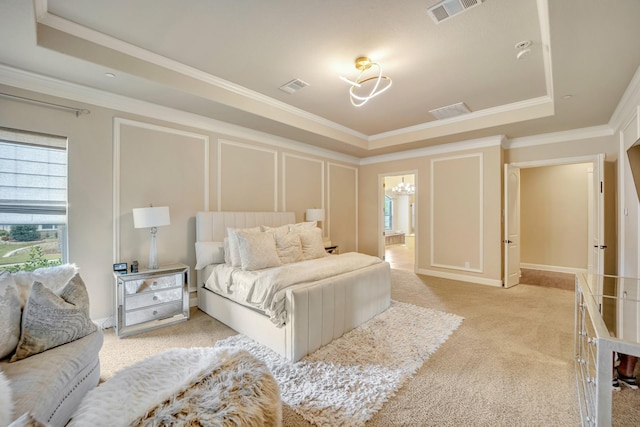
(51, 319)
(9, 315)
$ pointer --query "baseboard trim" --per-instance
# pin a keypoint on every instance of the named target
(461, 277)
(554, 268)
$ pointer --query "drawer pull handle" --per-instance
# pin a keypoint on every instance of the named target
(155, 312)
(155, 283)
(155, 297)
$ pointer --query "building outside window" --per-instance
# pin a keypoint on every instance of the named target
(33, 200)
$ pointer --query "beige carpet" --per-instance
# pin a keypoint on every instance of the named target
(509, 363)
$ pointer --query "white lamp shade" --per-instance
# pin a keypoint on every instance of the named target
(315, 214)
(155, 216)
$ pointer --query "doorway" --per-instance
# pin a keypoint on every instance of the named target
(561, 219)
(398, 224)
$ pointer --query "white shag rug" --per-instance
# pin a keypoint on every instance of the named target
(347, 381)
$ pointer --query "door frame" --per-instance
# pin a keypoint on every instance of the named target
(595, 159)
(380, 206)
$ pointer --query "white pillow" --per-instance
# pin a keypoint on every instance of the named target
(209, 253)
(10, 316)
(234, 252)
(283, 229)
(312, 244)
(227, 253)
(299, 225)
(289, 247)
(257, 250)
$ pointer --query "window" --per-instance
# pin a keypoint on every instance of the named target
(388, 212)
(33, 200)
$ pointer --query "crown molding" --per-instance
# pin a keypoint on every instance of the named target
(49, 86)
(45, 18)
(472, 144)
(540, 107)
(558, 137)
(628, 103)
(531, 108)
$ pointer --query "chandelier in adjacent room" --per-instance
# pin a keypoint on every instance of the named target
(403, 189)
(364, 88)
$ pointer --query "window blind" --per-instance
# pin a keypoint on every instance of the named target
(33, 179)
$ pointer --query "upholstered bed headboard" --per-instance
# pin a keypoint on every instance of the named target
(212, 226)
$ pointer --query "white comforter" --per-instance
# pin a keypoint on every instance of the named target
(265, 289)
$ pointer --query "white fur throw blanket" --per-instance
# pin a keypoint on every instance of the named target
(186, 387)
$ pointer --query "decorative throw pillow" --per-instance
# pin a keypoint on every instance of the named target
(209, 253)
(257, 250)
(234, 251)
(53, 278)
(299, 225)
(289, 247)
(227, 253)
(312, 245)
(51, 319)
(278, 231)
(9, 315)
(6, 401)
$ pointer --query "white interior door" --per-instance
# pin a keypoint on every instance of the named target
(511, 226)
(598, 238)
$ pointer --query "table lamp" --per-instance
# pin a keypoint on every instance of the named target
(152, 217)
(315, 215)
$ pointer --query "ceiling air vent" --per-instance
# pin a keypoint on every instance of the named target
(447, 8)
(450, 111)
(293, 86)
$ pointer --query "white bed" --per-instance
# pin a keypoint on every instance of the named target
(316, 312)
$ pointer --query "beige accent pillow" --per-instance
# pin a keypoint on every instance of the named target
(283, 229)
(208, 253)
(9, 315)
(312, 244)
(288, 243)
(257, 250)
(234, 250)
(303, 225)
(51, 319)
(289, 248)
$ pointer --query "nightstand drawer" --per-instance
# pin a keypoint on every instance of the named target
(147, 299)
(152, 283)
(153, 313)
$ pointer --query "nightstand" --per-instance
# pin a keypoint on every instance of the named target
(150, 299)
(331, 249)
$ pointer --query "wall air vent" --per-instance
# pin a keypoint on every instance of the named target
(448, 8)
(293, 86)
(450, 111)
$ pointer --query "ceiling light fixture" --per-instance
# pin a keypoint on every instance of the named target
(403, 189)
(363, 64)
(523, 49)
